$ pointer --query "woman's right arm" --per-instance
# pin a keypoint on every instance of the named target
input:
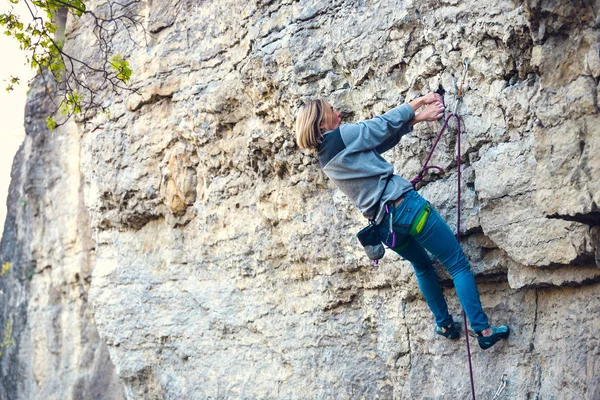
(370, 134)
(433, 111)
(389, 127)
(425, 100)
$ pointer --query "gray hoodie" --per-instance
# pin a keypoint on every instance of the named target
(351, 157)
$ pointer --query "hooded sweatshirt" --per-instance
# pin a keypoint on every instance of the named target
(351, 157)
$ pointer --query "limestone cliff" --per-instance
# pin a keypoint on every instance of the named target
(50, 345)
(224, 263)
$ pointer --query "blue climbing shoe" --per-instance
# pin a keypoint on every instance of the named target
(498, 332)
(451, 331)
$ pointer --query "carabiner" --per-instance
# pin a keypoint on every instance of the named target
(459, 94)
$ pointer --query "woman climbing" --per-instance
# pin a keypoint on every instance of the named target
(350, 155)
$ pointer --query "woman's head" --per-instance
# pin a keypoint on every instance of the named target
(314, 118)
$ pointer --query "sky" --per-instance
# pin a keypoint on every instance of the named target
(12, 107)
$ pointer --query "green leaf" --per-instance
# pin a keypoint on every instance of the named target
(51, 27)
(5, 268)
(122, 67)
(51, 123)
(74, 102)
(13, 80)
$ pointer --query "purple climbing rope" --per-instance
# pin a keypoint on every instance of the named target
(418, 179)
(458, 237)
(427, 167)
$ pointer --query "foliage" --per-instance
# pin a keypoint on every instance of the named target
(78, 82)
(7, 337)
(122, 67)
(5, 268)
(51, 124)
(12, 81)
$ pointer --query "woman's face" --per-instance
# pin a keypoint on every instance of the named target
(332, 118)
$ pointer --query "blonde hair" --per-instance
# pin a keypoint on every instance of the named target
(308, 123)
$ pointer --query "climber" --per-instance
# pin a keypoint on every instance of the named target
(350, 155)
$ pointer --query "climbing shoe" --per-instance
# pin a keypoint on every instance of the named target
(498, 332)
(451, 331)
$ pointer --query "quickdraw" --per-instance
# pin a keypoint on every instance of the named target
(500, 388)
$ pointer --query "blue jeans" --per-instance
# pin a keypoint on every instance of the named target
(437, 238)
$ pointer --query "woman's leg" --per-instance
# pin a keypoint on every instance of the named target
(428, 283)
(437, 238)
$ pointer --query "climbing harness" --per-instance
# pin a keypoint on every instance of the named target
(427, 167)
(420, 220)
(369, 235)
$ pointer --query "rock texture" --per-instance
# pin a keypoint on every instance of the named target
(225, 262)
(49, 343)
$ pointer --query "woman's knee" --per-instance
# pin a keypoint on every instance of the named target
(423, 269)
(457, 264)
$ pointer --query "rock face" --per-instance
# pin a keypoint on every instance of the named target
(225, 262)
(49, 344)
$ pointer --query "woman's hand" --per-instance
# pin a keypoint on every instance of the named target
(432, 112)
(425, 100)
(432, 98)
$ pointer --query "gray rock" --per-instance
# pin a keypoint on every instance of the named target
(50, 347)
(225, 263)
